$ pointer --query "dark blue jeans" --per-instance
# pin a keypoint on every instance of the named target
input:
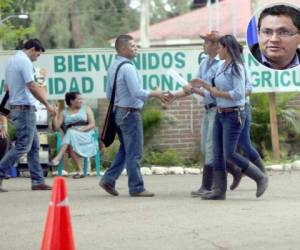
(245, 140)
(27, 142)
(226, 135)
(130, 133)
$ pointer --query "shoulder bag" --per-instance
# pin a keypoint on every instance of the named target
(109, 128)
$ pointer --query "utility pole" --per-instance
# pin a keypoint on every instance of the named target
(144, 24)
(209, 15)
(234, 17)
(217, 15)
(272, 108)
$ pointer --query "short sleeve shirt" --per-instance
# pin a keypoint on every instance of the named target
(19, 72)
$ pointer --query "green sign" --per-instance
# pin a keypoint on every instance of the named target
(85, 70)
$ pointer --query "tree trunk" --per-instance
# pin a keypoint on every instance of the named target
(76, 39)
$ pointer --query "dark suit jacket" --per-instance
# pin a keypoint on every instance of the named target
(257, 54)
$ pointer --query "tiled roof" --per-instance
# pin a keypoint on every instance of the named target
(193, 23)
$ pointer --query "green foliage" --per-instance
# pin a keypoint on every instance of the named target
(13, 36)
(108, 154)
(161, 10)
(152, 117)
(67, 24)
(288, 123)
(13, 31)
(260, 129)
(5, 5)
(168, 157)
(78, 24)
(52, 144)
(11, 131)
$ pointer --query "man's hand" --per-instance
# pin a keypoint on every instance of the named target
(43, 72)
(188, 89)
(3, 132)
(164, 96)
(171, 97)
(168, 97)
(214, 91)
(197, 82)
(51, 110)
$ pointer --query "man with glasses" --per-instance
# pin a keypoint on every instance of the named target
(279, 37)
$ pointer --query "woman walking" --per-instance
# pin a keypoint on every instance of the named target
(229, 90)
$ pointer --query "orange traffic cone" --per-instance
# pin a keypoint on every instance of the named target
(58, 234)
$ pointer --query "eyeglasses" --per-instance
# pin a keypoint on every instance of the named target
(281, 33)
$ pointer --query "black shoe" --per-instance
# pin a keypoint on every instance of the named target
(236, 175)
(78, 176)
(42, 186)
(2, 190)
(259, 177)
(108, 188)
(196, 193)
(145, 193)
(207, 179)
(199, 192)
(215, 194)
(218, 191)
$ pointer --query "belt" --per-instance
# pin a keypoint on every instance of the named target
(23, 107)
(129, 109)
(210, 105)
(230, 109)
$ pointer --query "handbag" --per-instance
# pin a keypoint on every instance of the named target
(3, 110)
(109, 128)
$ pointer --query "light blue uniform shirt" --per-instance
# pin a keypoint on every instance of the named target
(249, 85)
(230, 82)
(129, 91)
(206, 72)
(19, 72)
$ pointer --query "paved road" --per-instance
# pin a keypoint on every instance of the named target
(170, 220)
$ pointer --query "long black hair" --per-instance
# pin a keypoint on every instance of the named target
(235, 50)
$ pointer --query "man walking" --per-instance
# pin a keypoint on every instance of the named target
(129, 100)
(23, 93)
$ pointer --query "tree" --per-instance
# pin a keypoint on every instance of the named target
(288, 123)
(161, 10)
(14, 30)
(82, 23)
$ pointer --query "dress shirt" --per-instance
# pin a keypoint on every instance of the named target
(129, 92)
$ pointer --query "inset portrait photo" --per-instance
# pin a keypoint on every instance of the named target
(273, 36)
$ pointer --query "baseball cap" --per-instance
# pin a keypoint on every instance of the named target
(213, 36)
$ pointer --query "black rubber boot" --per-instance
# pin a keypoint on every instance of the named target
(207, 179)
(236, 173)
(1, 189)
(259, 163)
(259, 177)
(218, 191)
